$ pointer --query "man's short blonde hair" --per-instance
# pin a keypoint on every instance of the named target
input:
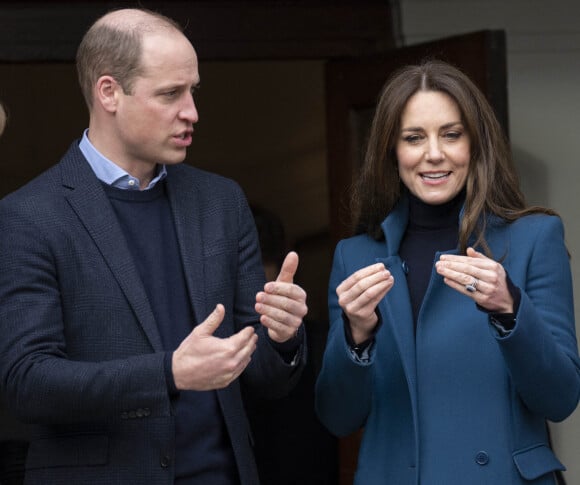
(112, 46)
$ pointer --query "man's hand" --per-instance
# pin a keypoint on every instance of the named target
(282, 304)
(203, 362)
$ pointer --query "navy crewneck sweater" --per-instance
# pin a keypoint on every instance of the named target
(431, 228)
(203, 453)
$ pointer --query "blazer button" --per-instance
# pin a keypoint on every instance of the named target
(405, 267)
(482, 458)
(165, 461)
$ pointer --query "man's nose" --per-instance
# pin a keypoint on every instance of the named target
(189, 110)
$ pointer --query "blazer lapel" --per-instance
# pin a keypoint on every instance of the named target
(186, 204)
(87, 198)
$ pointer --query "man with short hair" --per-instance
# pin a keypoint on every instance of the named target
(133, 299)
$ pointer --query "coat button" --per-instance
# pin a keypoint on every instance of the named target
(165, 461)
(405, 267)
(482, 458)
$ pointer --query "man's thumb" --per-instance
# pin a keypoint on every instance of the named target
(212, 322)
(289, 267)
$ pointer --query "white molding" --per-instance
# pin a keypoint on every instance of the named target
(535, 25)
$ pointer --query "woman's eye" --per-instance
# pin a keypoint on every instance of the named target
(412, 138)
(453, 135)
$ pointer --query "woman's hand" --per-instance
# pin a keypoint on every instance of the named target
(478, 277)
(359, 295)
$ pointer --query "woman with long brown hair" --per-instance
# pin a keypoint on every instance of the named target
(452, 338)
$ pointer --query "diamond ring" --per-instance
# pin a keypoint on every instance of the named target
(472, 287)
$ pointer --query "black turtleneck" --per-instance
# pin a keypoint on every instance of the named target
(431, 228)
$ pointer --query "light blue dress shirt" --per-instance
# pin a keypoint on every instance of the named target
(109, 172)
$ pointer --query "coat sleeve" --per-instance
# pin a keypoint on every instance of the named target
(344, 386)
(43, 383)
(541, 352)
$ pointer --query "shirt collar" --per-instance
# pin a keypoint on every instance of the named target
(109, 172)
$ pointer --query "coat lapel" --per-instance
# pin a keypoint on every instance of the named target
(88, 200)
(396, 311)
(396, 306)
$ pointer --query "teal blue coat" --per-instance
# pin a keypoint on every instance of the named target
(457, 403)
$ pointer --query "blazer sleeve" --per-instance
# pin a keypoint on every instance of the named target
(268, 375)
(344, 386)
(541, 352)
(43, 383)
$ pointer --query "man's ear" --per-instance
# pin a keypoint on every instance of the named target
(107, 92)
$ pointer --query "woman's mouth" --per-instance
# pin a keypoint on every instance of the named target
(435, 175)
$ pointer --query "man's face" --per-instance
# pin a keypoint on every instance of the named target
(154, 123)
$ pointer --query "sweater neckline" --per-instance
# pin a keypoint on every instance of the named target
(155, 192)
(423, 216)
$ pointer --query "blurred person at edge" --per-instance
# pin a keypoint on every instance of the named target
(13, 434)
(134, 304)
(301, 451)
(3, 118)
(452, 338)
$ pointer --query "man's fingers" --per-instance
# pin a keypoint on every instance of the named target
(294, 304)
(243, 338)
(289, 267)
(213, 321)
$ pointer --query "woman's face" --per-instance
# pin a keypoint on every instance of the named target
(433, 148)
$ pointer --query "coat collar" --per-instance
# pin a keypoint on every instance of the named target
(394, 226)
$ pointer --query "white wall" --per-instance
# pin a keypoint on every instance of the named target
(543, 57)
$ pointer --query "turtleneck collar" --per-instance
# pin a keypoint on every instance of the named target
(428, 217)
